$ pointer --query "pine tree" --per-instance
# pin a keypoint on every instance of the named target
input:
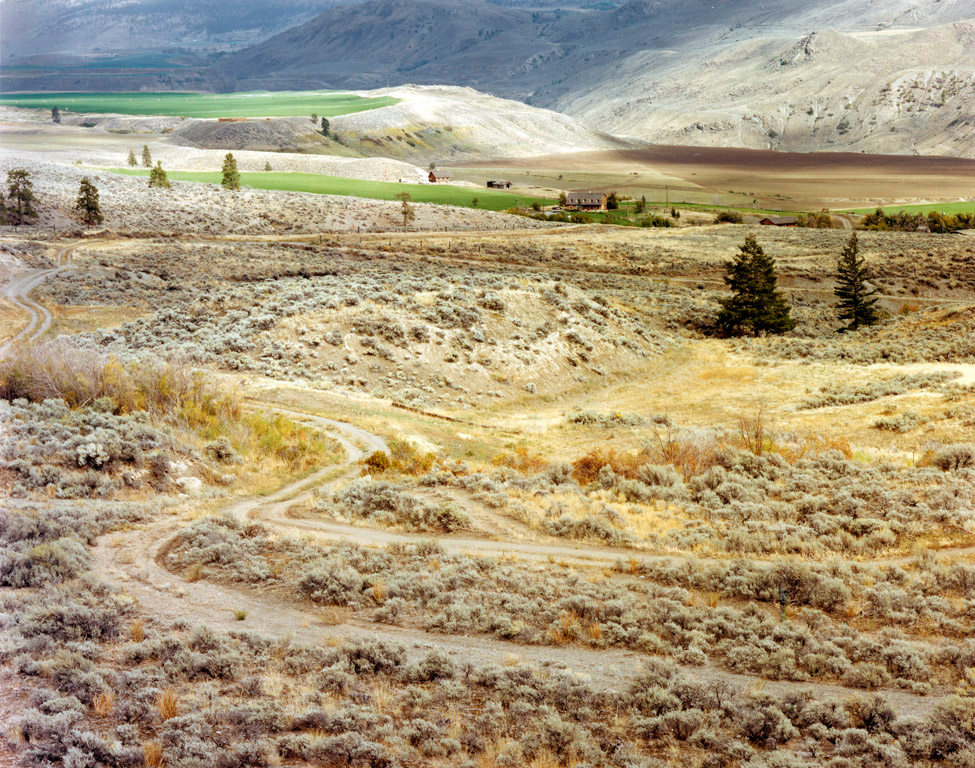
(56, 115)
(87, 203)
(856, 297)
(267, 167)
(158, 178)
(231, 177)
(20, 195)
(408, 213)
(755, 306)
(132, 158)
(146, 156)
(325, 126)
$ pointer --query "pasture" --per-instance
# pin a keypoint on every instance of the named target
(202, 105)
(491, 200)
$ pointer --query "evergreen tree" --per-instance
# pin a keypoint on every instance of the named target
(231, 177)
(20, 196)
(267, 167)
(132, 158)
(87, 203)
(326, 126)
(146, 156)
(856, 297)
(56, 115)
(612, 202)
(755, 306)
(158, 178)
(408, 213)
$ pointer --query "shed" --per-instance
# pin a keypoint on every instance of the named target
(780, 221)
(499, 184)
(586, 201)
(440, 177)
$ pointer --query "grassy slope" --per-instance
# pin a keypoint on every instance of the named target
(946, 208)
(281, 104)
(491, 200)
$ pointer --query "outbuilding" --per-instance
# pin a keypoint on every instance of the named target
(499, 185)
(780, 221)
(440, 177)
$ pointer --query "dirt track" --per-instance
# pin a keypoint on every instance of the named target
(134, 560)
(18, 289)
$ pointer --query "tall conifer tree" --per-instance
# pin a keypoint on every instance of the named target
(857, 299)
(755, 306)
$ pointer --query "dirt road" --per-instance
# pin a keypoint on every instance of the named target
(18, 289)
(135, 560)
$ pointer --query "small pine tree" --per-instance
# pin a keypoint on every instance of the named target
(267, 167)
(133, 161)
(231, 177)
(158, 178)
(146, 156)
(408, 213)
(612, 202)
(857, 299)
(326, 126)
(674, 213)
(755, 306)
(314, 117)
(20, 195)
(475, 202)
(87, 203)
(56, 115)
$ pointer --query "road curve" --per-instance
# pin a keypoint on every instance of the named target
(137, 561)
(18, 290)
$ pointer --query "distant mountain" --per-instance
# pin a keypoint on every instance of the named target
(30, 28)
(891, 75)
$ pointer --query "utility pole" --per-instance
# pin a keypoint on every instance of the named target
(667, 192)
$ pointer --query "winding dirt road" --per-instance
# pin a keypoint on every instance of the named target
(17, 291)
(135, 560)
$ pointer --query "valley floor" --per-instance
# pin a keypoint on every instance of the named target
(290, 482)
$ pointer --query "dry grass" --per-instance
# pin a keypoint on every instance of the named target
(103, 704)
(152, 752)
(137, 630)
(168, 704)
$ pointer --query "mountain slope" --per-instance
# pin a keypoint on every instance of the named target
(81, 27)
(872, 75)
(910, 91)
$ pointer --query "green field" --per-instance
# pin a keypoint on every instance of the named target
(488, 199)
(949, 209)
(256, 104)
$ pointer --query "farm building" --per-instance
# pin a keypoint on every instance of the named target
(780, 221)
(440, 177)
(499, 185)
(586, 201)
